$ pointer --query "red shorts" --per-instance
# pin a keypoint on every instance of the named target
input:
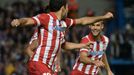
(38, 68)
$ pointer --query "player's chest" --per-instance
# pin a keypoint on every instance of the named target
(97, 48)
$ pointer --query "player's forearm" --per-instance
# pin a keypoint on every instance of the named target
(22, 22)
(106, 63)
(86, 60)
(25, 21)
(90, 20)
(70, 46)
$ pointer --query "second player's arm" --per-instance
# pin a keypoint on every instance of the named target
(85, 59)
(90, 20)
(70, 45)
(104, 59)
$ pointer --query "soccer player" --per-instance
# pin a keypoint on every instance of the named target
(51, 34)
(91, 60)
(33, 44)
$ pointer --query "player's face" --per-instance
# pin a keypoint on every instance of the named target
(65, 11)
(96, 28)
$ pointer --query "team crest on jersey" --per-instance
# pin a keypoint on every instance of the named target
(62, 27)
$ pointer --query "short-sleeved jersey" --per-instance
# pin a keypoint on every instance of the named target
(95, 53)
(50, 36)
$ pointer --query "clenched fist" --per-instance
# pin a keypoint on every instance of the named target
(108, 15)
(15, 23)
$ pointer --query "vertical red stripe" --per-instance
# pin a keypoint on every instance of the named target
(56, 54)
(43, 41)
(91, 69)
(84, 68)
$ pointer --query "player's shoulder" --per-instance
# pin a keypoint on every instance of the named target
(43, 15)
(106, 39)
(84, 39)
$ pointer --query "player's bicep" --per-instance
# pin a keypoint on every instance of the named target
(78, 21)
(83, 55)
(28, 21)
(83, 20)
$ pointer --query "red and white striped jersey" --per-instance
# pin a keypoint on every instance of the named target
(95, 52)
(56, 65)
(51, 36)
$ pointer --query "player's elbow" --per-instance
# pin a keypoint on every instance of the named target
(28, 51)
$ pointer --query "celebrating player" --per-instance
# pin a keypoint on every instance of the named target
(51, 34)
(90, 61)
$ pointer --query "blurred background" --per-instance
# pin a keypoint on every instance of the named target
(120, 30)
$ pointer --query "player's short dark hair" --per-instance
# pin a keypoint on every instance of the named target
(55, 5)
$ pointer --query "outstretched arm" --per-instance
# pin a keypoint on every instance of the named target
(70, 45)
(22, 22)
(104, 59)
(90, 20)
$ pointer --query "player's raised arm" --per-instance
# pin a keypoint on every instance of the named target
(70, 45)
(90, 20)
(22, 22)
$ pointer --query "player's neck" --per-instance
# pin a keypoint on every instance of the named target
(97, 38)
(58, 14)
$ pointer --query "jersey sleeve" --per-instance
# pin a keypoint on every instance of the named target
(70, 22)
(84, 41)
(41, 19)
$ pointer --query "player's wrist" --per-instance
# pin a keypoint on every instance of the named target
(92, 61)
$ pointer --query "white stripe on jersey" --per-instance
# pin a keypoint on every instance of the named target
(106, 42)
(80, 66)
(36, 56)
(94, 70)
(76, 63)
(37, 20)
(71, 22)
(94, 49)
(56, 45)
(87, 69)
(49, 41)
(101, 48)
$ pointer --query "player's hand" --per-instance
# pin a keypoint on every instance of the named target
(15, 23)
(108, 15)
(98, 63)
